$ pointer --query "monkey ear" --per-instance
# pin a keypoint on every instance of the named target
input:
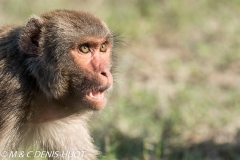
(29, 39)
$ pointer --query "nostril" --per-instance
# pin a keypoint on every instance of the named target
(104, 74)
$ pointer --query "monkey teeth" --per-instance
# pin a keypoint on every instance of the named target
(96, 95)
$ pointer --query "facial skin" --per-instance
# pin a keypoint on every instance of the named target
(93, 56)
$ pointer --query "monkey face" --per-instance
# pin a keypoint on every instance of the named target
(92, 56)
(68, 56)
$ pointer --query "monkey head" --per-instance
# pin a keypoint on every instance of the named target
(69, 55)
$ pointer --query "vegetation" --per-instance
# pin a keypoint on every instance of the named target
(178, 78)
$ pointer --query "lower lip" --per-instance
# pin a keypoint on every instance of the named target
(98, 103)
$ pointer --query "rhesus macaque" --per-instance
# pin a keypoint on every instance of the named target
(54, 72)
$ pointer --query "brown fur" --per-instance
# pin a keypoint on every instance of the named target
(43, 81)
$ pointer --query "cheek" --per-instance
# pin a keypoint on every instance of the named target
(80, 61)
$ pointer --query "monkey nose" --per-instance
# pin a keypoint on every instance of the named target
(106, 76)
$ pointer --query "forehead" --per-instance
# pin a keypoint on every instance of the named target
(73, 26)
(81, 23)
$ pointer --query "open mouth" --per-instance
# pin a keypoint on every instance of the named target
(97, 93)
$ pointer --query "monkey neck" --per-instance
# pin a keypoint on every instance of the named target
(46, 109)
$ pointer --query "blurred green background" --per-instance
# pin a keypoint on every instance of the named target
(177, 92)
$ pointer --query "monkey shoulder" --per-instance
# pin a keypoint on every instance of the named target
(5, 30)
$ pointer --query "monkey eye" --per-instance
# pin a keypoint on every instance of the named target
(84, 48)
(103, 47)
